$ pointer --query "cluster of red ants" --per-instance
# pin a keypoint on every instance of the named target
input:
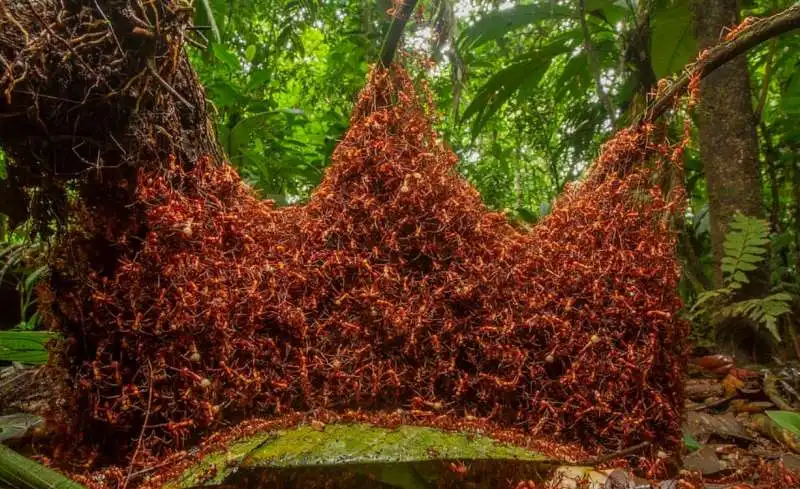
(393, 288)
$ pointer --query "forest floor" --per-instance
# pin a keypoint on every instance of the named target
(726, 432)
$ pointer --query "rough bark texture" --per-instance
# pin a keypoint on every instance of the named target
(728, 139)
(89, 92)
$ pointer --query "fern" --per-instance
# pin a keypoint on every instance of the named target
(746, 248)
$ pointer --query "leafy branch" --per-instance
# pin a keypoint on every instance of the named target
(757, 32)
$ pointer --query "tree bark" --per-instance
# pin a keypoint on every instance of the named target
(727, 130)
(90, 91)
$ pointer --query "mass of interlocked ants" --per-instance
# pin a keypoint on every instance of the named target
(392, 288)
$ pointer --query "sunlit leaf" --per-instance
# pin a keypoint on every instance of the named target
(523, 74)
(690, 442)
(497, 24)
(787, 420)
(610, 11)
(25, 346)
(250, 53)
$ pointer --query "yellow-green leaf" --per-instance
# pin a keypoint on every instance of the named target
(397, 456)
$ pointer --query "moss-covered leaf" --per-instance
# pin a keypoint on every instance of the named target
(401, 457)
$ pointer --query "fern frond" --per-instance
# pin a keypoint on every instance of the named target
(745, 249)
(764, 311)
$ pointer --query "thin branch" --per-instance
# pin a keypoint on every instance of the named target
(591, 462)
(144, 425)
(395, 32)
(594, 64)
(170, 89)
(758, 32)
(110, 27)
(211, 21)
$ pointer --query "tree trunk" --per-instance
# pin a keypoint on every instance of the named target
(728, 151)
(728, 139)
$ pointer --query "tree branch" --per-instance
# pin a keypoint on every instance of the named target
(395, 32)
(758, 32)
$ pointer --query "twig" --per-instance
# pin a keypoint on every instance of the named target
(144, 425)
(717, 403)
(110, 26)
(759, 32)
(154, 72)
(611, 456)
(395, 32)
(196, 44)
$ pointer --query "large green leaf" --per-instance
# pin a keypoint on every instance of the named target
(399, 457)
(228, 58)
(497, 24)
(522, 76)
(25, 346)
(672, 43)
(575, 78)
(791, 99)
(18, 472)
(787, 420)
(610, 11)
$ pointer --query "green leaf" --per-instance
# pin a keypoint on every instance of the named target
(250, 53)
(672, 43)
(499, 23)
(258, 78)
(521, 76)
(740, 277)
(575, 76)
(781, 296)
(228, 58)
(690, 442)
(790, 102)
(746, 266)
(394, 456)
(22, 473)
(787, 420)
(25, 346)
(772, 327)
(611, 11)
